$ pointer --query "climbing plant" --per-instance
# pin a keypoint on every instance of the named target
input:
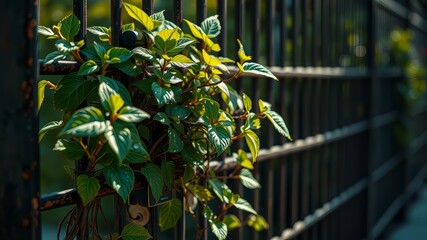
(160, 108)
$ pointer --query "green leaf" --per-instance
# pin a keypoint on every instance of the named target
(102, 32)
(134, 231)
(69, 27)
(211, 110)
(118, 55)
(219, 229)
(118, 87)
(257, 69)
(139, 15)
(220, 189)
(49, 126)
(202, 193)
(170, 213)
(46, 31)
(192, 156)
(180, 45)
(175, 142)
(132, 114)
(247, 102)
(257, 222)
(143, 54)
(159, 16)
(70, 149)
(278, 123)
(153, 174)
(110, 99)
(41, 86)
(85, 122)
(231, 221)
(219, 137)
(164, 95)
(91, 53)
(208, 214)
(100, 50)
(121, 179)
(65, 47)
(71, 91)
(244, 205)
(88, 67)
(253, 143)
(177, 111)
(248, 180)
(264, 106)
(119, 140)
(87, 188)
(56, 56)
(162, 118)
(169, 34)
(168, 169)
(211, 26)
(128, 68)
(181, 61)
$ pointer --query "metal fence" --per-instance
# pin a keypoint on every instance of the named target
(346, 175)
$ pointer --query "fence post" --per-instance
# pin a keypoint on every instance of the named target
(19, 159)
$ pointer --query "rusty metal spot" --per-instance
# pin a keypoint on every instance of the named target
(30, 29)
(26, 174)
(25, 222)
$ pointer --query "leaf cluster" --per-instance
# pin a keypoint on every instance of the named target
(162, 111)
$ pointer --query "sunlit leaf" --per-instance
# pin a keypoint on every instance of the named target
(211, 26)
(88, 67)
(257, 69)
(195, 30)
(219, 137)
(248, 180)
(121, 179)
(257, 222)
(132, 114)
(244, 205)
(210, 60)
(253, 143)
(56, 56)
(119, 140)
(278, 123)
(88, 121)
(139, 15)
(219, 229)
(232, 221)
(202, 193)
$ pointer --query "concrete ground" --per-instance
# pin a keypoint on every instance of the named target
(415, 225)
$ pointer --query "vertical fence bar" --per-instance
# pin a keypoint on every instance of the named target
(222, 15)
(148, 6)
(19, 164)
(116, 21)
(201, 11)
(283, 32)
(295, 33)
(177, 10)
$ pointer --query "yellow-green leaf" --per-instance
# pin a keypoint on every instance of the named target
(139, 15)
(210, 60)
(257, 222)
(169, 34)
(242, 55)
(202, 193)
(41, 86)
(87, 188)
(253, 143)
(195, 30)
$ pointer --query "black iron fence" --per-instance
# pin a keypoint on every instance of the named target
(359, 146)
